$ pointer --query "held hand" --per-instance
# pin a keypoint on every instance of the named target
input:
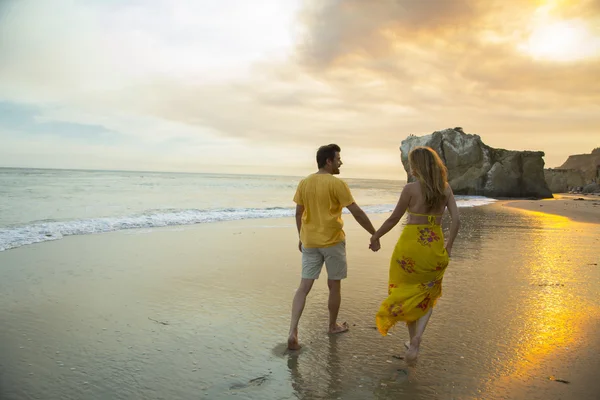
(374, 245)
(300, 245)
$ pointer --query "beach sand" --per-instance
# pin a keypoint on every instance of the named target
(203, 312)
(581, 208)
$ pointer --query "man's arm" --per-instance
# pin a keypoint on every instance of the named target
(360, 217)
(299, 212)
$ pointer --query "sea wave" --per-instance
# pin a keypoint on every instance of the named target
(42, 231)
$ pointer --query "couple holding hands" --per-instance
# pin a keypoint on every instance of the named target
(418, 261)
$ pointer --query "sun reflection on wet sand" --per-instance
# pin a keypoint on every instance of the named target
(554, 316)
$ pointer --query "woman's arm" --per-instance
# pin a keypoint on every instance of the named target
(453, 209)
(397, 214)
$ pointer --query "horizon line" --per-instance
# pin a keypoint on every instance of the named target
(182, 172)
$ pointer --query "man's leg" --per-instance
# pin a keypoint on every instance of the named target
(337, 269)
(312, 262)
(297, 308)
(335, 300)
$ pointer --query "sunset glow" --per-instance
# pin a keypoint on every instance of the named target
(562, 41)
(249, 87)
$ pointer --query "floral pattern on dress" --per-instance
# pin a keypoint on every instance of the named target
(390, 287)
(424, 304)
(407, 264)
(427, 236)
(395, 310)
(440, 266)
(430, 285)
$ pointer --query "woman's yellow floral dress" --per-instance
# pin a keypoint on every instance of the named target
(416, 271)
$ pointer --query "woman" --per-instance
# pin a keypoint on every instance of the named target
(420, 257)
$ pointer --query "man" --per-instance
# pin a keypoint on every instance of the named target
(320, 199)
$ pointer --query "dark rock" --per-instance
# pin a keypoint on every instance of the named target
(591, 188)
(563, 180)
(477, 169)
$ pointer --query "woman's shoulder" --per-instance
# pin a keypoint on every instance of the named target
(412, 186)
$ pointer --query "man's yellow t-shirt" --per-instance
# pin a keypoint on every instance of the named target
(324, 197)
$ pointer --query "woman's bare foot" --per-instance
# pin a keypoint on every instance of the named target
(293, 341)
(339, 328)
(413, 351)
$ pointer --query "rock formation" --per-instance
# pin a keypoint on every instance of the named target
(562, 180)
(577, 172)
(477, 169)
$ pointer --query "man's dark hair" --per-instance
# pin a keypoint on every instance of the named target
(326, 153)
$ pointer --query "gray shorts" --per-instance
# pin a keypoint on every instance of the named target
(334, 258)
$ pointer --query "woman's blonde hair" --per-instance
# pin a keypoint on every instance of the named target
(428, 168)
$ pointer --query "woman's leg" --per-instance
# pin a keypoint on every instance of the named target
(412, 329)
(422, 323)
(415, 339)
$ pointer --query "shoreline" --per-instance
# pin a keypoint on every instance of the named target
(576, 207)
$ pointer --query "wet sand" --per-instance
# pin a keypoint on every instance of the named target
(203, 312)
(581, 208)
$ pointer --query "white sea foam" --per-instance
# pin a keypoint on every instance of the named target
(473, 201)
(17, 236)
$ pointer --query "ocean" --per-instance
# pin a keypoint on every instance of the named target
(38, 205)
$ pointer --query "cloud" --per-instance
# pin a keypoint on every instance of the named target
(339, 31)
(461, 63)
(270, 81)
(441, 48)
(29, 120)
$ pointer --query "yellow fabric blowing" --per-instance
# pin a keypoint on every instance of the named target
(417, 268)
(324, 197)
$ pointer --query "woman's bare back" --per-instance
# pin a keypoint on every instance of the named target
(416, 205)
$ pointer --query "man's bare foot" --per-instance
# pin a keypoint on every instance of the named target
(293, 342)
(413, 351)
(339, 328)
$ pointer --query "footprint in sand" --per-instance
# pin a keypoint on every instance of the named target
(398, 376)
(281, 350)
(252, 382)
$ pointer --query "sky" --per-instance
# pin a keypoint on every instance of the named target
(256, 87)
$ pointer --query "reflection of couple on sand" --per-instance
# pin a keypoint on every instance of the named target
(418, 261)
